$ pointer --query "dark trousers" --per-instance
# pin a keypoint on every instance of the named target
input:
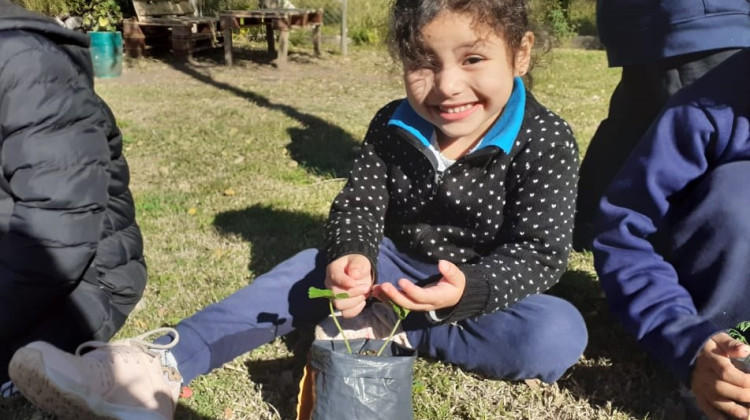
(539, 337)
(86, 313)
(708, 243)
(635, 103)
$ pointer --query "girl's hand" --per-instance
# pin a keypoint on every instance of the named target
(721, 390)
(350, 274)
(443, 294)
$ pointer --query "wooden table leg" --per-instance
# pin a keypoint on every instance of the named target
(182, 44)
(226, 27)
(316, 39)
(283, 43)
(270, 38)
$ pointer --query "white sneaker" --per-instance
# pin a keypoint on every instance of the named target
(127, 379)
(374, 322)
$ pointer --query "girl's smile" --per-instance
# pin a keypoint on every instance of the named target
(455, 113)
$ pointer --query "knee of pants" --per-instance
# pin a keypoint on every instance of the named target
(552, 340)
(560, 331)
(539, 337)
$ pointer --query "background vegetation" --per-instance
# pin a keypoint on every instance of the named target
(366, 19)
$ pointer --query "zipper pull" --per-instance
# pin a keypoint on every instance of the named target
(438, 180)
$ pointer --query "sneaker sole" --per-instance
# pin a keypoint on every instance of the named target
(39, 386)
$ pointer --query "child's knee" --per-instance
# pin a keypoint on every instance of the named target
(560, 334)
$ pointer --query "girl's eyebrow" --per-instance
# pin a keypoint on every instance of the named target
(469, 45)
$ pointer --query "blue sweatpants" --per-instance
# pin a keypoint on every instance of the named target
(538, 337)
(708, 243)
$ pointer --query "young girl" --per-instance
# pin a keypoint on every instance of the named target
(459, 207)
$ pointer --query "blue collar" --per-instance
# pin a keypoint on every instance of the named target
(502, 134)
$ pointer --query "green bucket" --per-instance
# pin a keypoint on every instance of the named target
(106, 53)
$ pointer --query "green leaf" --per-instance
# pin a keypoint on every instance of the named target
(400, 312)
(740, 332)
(418, 386)
(736, 335)
(314, 292)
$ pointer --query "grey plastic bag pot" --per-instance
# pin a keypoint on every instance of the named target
(342, 386)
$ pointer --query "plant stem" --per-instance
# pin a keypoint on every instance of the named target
(341, 330)
(390, 337)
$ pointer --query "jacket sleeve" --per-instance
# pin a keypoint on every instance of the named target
(534, 243)
(642, 288)
(356, 220)
(54, 155)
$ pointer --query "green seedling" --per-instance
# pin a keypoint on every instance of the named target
(401, 313)
(740, 332)
(314, 293)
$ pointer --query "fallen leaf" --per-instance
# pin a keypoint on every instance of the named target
(229, 191)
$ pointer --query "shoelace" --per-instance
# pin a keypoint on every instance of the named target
(139, 341)
(8, 390)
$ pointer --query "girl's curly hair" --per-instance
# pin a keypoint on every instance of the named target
(509, 18)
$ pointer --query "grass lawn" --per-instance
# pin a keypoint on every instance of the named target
(233, 170)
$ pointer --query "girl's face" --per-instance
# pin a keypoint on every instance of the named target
(472, 78)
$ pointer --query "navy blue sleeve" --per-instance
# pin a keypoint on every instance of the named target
(642, 288)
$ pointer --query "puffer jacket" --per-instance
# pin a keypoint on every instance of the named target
(66, 211)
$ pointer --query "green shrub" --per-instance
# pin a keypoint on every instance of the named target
(98, 15)
(211, 7)
(552, 17)
(364, 36)
(367, 21)
(47, 7)
(558, 23)
(582, 16)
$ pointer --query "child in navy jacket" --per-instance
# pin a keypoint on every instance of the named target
(672, 244)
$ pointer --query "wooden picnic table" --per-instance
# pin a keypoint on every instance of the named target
(281, 19)
(161, 21)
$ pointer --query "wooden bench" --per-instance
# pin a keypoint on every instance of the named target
(281, 19)
(174, 22)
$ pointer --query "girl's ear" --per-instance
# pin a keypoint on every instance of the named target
(523, 55)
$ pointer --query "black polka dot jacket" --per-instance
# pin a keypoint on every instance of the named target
(503, 216)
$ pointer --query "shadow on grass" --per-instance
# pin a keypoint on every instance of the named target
(321, 148)
(274, 235)
(279, 378)
(614, 371)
